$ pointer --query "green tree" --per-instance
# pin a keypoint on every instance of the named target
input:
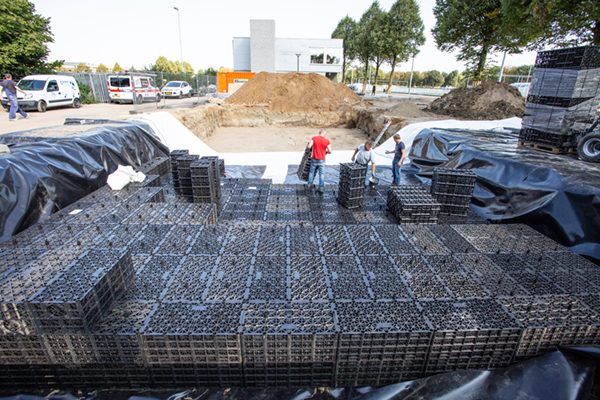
(404, 34)
(451, 79)
(210, 72)
(187, 68)
(560, 23)
(476, 28)
(162, 64)
(366, 37)
(117, 68)
(82, 68)
(102, 69)
(23, 39)
(417, 78)
(433, 78)
(346, 30)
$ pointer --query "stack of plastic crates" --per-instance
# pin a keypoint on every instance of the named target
(304, 167)
(453, 189)
(214, 160)
(185, 174)
(562, 99)
(174, 155)
(412, 204)
(351, 192)
(203, 181)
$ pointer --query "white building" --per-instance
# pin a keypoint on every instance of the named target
(262, 51)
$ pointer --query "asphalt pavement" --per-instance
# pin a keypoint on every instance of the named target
(57, 116)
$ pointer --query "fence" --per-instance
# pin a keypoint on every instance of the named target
(201, 85)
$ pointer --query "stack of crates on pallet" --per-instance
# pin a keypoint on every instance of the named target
(216, 173)
(562, 99)
(304, 167)
(453, 189)
(351, 192)
(185, 174)
(203, 181)
(412, 204)
(174, 155)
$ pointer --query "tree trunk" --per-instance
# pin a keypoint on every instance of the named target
(389, 88)
(481, 62)
(364, 90)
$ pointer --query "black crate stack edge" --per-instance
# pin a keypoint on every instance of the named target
(351, 193)
(453, 189)
(413, 204)
(185, 174)
(563, 97)
(174, 155)
(304, 167)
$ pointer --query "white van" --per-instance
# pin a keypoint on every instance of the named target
(123, 88)
(45, 91)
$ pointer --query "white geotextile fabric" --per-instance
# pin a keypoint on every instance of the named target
(176, 136)
(123, 176)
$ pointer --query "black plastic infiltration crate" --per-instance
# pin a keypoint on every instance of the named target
(563, 97)
(413, 205)
(277, 296)
(453, 189)
(351, 191)
(304, 167)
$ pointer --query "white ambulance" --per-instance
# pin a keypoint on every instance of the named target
(127, 87)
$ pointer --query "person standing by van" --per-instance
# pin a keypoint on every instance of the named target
(10, 89)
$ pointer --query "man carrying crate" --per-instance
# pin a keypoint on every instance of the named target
(321, 146)
(363, 155)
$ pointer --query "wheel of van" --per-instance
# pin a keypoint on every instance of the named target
(589, 147)
(140, 99)
(41, 106)
(158, 98)
(76, 102)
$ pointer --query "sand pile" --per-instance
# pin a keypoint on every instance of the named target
(488, 101)
(293, 92)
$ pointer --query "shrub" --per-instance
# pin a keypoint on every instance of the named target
(87, 96)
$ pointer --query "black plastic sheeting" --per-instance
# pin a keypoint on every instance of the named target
(567, 374)
(41, 176)
(557, 195)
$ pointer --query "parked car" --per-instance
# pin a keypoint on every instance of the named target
(176, 89)
(45, 91)
(125, 88)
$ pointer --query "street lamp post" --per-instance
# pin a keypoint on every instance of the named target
(180, 43)
(298, 63)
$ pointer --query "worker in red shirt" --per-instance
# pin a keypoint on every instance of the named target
(321, 146)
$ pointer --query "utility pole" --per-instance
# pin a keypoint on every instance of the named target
(180, 43)
(298, 63)
(502, 68)
(411, 74)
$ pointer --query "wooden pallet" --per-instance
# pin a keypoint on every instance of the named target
(548, 149)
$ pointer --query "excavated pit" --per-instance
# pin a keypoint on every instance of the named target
(280, 112)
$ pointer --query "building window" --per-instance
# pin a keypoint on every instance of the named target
(319, 55)
(333, 56)
(316, 55)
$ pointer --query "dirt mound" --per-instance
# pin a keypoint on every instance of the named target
(293, 92)
(407, 109)
(488, 101)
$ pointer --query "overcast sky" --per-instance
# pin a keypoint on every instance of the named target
(136, 32)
